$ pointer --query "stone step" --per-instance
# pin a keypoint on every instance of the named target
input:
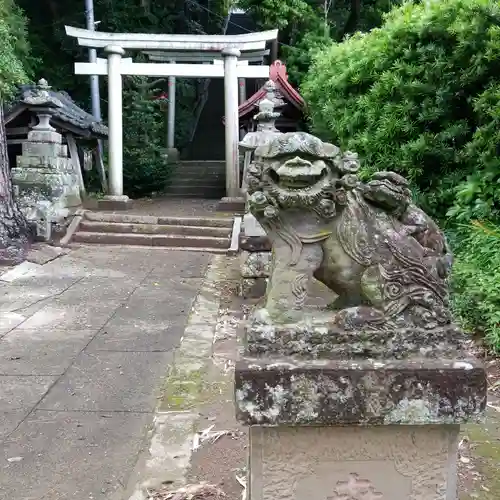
(198, 181)
(123, 227)
(154, 219)
(200, 168)
(201, 163)
(198, 172)
(156, 240)
(181, 249)
(208, 192)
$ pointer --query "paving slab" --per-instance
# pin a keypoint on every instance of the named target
(88, 304)
(86, 340)
(10, 420)
(70, 455)
(188, 383)
(19, 271)
(135, 334)
(133, 261)
(111, 381)
(100, 289)
(159, 296)
(41, 351)
(22, 393)
(189, 265)
(9, 320)
(79, 316)
(41, 253)
(14, 297)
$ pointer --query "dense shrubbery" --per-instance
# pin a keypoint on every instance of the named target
(418, 96)
(476, 281)
(145, 171)
(421, 96)
(14, 48)
(309, 25)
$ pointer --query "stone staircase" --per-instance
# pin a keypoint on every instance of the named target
(189, 233)
(198, 179)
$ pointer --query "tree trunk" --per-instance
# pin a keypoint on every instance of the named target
(15, 234)
(353, 19)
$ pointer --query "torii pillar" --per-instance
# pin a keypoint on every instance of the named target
(115, 199)
(231, 124)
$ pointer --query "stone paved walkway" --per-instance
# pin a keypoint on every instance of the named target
(84, 343)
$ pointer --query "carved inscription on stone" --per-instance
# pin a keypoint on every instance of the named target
(355, 488)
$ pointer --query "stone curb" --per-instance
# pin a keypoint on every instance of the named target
(170, 438)
(72, 228)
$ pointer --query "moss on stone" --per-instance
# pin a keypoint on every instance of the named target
(186, 390)
(181, 390)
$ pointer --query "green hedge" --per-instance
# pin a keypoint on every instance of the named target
(420, 96)
(476, 281)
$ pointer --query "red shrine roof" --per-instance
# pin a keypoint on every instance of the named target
(278, 74)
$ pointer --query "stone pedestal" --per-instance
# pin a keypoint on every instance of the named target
(255, 258)
(115, 202)
(172, 155)
(234, 204)
(355, 415)
(45, 180)
(367, 463)
(255, 269)
(362, 399)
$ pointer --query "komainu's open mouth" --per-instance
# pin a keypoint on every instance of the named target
(293, 181)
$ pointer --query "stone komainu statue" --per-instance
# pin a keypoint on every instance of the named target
(386, 259)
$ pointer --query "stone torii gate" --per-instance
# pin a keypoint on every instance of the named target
(195, 48)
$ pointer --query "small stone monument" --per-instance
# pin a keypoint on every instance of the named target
(363, 400)
(254, 243)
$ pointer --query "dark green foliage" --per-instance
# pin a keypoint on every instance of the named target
(479, 195)
(308, 25)
(14, 48)
(418, 96)
(476, 281)
(145, 171)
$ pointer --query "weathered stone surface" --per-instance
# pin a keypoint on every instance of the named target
(284, 391)
(49, 136)
(251, 227)
(254, 243)
(228, 204)
(44, 162)
(115, 203)
(45, 181)
(253, 287)
(44, 149)
(314, 338)
(255, 265)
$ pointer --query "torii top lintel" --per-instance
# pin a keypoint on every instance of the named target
(100, 39)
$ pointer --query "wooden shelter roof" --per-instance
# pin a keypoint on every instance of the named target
(62, 109)
(279, 76)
